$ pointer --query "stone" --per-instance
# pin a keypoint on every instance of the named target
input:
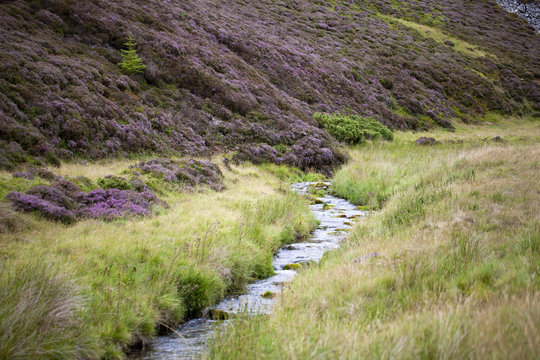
(268, 294)
(426, 141)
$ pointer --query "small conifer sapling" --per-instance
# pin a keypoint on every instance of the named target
(131, 62)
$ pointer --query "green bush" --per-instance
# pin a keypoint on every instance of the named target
(114, 182)
(353, 129)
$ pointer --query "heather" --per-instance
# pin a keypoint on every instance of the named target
(183, 174)
(55, 202)
(111, 196)
(447, 267)
(246, 77)
(95, 289)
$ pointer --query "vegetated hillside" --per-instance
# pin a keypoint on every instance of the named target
(246, 76)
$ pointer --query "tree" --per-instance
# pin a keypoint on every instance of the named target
(131, 62)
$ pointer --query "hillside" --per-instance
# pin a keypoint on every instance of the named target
(245, 77)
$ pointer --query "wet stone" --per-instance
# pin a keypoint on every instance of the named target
(217, 314)
(268, 294)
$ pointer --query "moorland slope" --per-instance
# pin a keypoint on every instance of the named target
(246, 76)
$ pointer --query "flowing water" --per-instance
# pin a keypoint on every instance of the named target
(189, 340)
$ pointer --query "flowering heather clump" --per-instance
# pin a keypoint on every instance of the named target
(114, 203)
(66, 186)
(54, 195)
(232, 76)
(49, 210)
(186, 172)
(31, 172)
(64, 201)
(257, 154)
(23, 174)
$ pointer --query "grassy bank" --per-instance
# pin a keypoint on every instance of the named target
(90, 289)
(447, 268)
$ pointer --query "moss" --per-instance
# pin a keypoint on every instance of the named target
(268, 294)
(297, 266)
(291, 267)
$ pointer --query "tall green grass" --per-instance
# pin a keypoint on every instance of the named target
(41, 314)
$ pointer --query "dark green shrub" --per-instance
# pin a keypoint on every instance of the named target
(114, 182)
(84, 183)
(353, 129)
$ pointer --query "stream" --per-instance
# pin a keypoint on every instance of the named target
(189, 341)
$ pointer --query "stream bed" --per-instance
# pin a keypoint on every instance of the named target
(189, 341)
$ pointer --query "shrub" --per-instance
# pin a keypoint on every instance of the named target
(131, 62)
(114, 182)
(186, 172)
(54, 195)
(353, 129)
(64, 201)
(84, 183)
(114, 203)
(29, 203)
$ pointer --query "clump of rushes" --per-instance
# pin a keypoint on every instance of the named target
(353, 129)
(41, 313)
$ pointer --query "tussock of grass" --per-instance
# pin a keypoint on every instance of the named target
(456, 276)
(10, 221)
(123, 279)
(40, 313)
